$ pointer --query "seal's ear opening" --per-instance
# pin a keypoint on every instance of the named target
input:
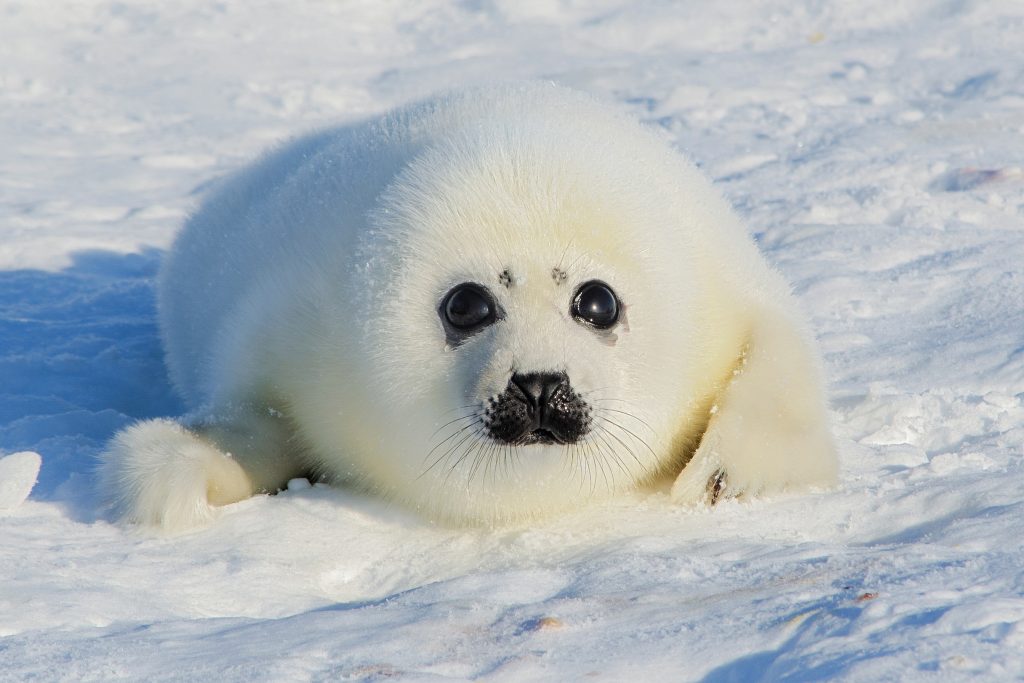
(769, 427)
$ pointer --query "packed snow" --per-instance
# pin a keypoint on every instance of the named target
(875, 150)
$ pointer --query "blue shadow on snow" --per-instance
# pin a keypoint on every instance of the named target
(80, 358)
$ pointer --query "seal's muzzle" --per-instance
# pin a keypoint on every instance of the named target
(537, 407)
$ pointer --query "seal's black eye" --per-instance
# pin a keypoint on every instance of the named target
(469, 306)
(595, 304)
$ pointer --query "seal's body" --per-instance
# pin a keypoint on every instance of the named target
(492, 305)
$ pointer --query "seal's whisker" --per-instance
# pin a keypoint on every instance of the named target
(495, 455)
(512, 458)
(475, 406)
(584, 462)
(511, 453)
(589, 462)
(445, 440)
(635, 437)
(631, 415)
(453, 434)
(451, 422)
(474, 466)
(509, 458)
(580, 462)
(600, 463)
(620, 410)
(612, 451)
(483, 457)
(605, 466)
(455, 465)
(629, 450)
(456, 445)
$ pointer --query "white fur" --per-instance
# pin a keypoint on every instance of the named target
(163, 475)
(299, 309)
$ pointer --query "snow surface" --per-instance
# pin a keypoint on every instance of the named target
(875, 149)
(18, 474)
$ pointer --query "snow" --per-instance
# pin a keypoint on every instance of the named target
(18, 473)
(875, 150)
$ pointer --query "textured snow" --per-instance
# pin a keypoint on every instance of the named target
(875, 149)
(18, 474)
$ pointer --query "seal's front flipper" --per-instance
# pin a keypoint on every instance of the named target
(769, 428)
(161, 474)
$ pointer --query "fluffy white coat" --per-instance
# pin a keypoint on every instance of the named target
(299, 309)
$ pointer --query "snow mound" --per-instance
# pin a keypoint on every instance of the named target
(18, 474)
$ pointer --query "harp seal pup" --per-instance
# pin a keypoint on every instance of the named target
(493, 305)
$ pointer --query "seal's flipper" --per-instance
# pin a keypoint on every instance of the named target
(164, 475)
(769, 427)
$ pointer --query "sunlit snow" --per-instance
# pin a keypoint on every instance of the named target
(875, 150)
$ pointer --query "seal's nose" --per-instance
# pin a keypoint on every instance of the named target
(538, 408)
(539, 387)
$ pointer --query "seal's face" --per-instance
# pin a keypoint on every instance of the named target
(536, 407)
(535, 374)
(526, 343)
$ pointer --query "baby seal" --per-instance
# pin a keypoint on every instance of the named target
(493, 305)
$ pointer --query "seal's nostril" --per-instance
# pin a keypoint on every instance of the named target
(539, 387)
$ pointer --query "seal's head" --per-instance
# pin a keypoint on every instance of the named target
(530, 309)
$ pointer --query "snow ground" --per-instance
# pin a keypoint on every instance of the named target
(875, 149)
